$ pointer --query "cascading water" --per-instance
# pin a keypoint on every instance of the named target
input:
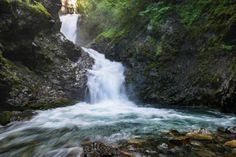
(69, 22)
(110, 117)
(106, 79)
(69, 26)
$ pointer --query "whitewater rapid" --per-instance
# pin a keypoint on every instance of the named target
(106, 79)
(109, 116)
(69, 26)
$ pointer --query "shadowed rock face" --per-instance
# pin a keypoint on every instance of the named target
(188, 78)
(177, 64)
(53, 6)
(39, 68)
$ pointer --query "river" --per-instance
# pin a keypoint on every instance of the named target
(108, 116)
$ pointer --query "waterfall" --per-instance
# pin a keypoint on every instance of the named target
(112, 117)
(69, 26)
(106, 79)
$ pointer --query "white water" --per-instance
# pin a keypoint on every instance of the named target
(110, 116)
(106, 79)
(69, 26)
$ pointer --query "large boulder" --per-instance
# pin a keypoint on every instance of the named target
(39, 68)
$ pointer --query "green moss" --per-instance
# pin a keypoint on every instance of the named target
(233, 64)
(112, 33)
(36, 6)
(227, 47)
(159, 50)
(156, 12)
(5, 118)
(6, 70)
(190, 11)
(39, 7)
(56, 103)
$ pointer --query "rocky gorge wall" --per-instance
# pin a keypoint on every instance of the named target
(39, 68)
(175, 52)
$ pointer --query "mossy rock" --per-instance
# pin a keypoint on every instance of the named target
(56, 103)
(5, 117)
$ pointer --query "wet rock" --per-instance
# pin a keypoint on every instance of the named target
(231, 143)
(11, 116)
(205, 153)
(163, 148)
(175, 150)
(174, 133)
(221, 129)
(231, 130)
(176, 138)
(196, 143)
(52, 6)
(136, 142)
(200, 134)
(39, 69)
(178, 144)
(234, 151)
(5, 118)
(99, 149)
(74, 152)
(21, 115)
(175, 65)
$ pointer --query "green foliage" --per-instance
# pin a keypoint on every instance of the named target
(108, 16)
(156, 12)
(6, 70)
(206, 15)
(37, 6)
(206, 20)
(159, 50)
(112, 33)
(227, 47)
(190, 11)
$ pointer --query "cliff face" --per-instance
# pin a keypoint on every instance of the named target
(175, 52)
(39, 68)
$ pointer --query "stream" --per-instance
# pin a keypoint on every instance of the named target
(109, 115)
